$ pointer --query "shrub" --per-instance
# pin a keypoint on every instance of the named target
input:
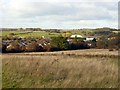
(4, 38)
(79, 45)
(4, 48)
(111, 49)
(52, 48)
(102, 43)
(114, 41)
(11, 34)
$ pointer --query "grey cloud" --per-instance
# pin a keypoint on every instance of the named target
(38, 9)
(39, 12)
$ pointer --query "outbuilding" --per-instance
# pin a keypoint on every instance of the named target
(76, 36)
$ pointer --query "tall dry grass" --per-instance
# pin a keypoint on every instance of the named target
(49, 71)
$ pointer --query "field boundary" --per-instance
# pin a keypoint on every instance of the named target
(63, 54)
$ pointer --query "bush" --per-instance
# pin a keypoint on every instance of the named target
(79, 45)
(102, 43)
(4, 38)
(114, 42)
(3, 48)
(110, 49)
(11, 34)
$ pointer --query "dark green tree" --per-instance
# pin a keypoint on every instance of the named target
(59, 42)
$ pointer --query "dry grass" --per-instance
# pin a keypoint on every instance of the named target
(84, 52)
(62, 71)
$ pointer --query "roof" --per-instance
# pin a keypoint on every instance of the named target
(78, 36)
(42, 41)
(89, 39)
(92, 36)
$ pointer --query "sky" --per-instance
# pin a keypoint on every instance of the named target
(59, 14)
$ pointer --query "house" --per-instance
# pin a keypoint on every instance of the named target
(72, 37)
(89, 39)
(44, 43)
(76, 36)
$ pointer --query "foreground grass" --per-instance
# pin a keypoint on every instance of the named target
(36, 71)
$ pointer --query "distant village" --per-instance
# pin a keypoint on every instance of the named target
(71, 42)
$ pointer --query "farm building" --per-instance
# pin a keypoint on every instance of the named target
(89, 39)
(76, 36)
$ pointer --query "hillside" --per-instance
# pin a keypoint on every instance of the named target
(38, 32)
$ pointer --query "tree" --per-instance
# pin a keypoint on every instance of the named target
(102, 43)
(66, 34)
(114, 43)
(59, 42)
(11, 34)
(78, 43)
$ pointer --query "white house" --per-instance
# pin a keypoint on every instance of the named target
(76, 36)
(89, 39)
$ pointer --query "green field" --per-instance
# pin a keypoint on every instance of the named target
(84, 32)
(44, 33)
(29, 34)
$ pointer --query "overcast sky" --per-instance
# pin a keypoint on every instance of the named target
(64, 14)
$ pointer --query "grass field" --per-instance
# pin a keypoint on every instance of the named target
(65, 69)
(29, 34)
(43, 33)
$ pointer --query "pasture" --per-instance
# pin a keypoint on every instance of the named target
(44, 33)
(93, 68)
(35, 34)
